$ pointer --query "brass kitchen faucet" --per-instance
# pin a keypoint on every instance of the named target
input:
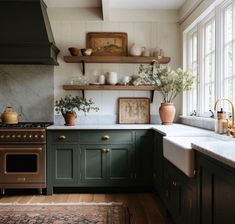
(231, 125)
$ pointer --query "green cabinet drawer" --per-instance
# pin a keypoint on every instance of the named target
(106, 137)
(63, 136)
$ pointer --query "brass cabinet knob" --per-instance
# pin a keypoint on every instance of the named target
(62, 137)
(103, 150)
(108, 150)
(105, 137)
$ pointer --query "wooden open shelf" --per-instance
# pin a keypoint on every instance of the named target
(110, 87)
(114, 59)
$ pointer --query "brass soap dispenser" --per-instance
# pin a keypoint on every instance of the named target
(221, 123)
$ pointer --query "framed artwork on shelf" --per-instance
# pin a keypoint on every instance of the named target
(134, 110)
(107, 43)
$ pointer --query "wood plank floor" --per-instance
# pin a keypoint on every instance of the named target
(145, 208)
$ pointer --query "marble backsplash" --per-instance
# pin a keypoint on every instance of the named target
(29, 89)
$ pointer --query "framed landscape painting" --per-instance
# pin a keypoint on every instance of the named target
(107, 43)
(134, 110)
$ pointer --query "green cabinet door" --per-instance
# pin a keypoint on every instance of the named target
(65, 164)
(217, 184)
(180, 195)
(144, 158)
(93, 165)
(105, 165)
(119, 164)
(158, 166)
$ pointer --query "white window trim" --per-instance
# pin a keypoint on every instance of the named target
(217, 13)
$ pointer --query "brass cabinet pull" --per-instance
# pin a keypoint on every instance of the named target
(62, 137)
(105, 137)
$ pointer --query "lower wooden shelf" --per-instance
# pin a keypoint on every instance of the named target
(110, 87)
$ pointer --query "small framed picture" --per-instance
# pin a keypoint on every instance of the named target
(107, 43)
(134, 110)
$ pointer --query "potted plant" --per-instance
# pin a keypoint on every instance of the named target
(68, 104)
(168, 82)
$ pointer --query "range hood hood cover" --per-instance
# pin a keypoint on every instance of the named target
(25, 33)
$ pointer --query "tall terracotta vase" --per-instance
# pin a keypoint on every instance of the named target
(167, 113)
(70, 119)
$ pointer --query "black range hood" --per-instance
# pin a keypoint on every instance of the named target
(25, 33)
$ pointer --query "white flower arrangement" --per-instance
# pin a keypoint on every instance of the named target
(169, 82)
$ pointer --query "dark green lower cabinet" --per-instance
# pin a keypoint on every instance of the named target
(158, 165)
(106, 165)
(216, 184)
(65, 164)
(144, 158)
(180, 195)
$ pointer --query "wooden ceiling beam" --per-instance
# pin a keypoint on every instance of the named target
(105, 9)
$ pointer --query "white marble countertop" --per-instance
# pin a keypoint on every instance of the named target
(221, 151)
(171, 130)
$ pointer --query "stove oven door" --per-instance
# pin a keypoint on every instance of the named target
(22, 164)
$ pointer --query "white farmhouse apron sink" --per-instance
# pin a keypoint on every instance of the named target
(178, 151)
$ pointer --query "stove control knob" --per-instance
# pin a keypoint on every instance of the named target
(18, 136)
(24, 136)
(35, 136)
(7, 136)
(30, 136)
(42, 136)
(13, 136)
(2, 136)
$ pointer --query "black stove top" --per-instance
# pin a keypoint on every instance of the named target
(27, 125)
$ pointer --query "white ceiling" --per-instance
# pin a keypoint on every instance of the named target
(124, 4)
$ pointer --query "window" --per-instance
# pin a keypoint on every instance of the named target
(228, 50)
(192, 65)
(210, 54)
(208, 65)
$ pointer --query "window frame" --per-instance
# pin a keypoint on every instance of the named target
(217, 14)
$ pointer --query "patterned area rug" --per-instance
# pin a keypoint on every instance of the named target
(79, 213)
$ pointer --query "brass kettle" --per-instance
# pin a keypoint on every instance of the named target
(9, 116)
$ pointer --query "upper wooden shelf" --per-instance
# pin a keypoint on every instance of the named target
(107, 87)
(114, 59)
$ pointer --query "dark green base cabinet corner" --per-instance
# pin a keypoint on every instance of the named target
(180, 195)
(216, 184)
(158, 168)
(99, 158)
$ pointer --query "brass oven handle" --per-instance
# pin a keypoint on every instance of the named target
(105, 137)
(62, 137)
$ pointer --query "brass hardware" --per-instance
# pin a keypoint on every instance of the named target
(21, 179)
(174, 183)
(104, 150)
(62, 137)
(231, 127)
(105, 137)
(108, 150)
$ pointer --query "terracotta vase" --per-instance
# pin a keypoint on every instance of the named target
(167, 113)
(70, 119)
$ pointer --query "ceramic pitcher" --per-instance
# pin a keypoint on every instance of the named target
(136, 50)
